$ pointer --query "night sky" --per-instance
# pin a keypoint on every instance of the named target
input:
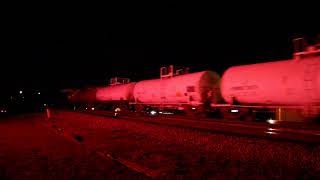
(76, 47)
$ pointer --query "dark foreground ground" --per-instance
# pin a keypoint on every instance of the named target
(79, 146)
(29, 151)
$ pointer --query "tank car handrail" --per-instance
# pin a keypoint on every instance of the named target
(118, 80)
(299, 55)
(166, 72)
(303, 50)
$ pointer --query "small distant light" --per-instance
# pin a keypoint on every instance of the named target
(2, 110)
(271, 121)
(86, 108)
(193, 108)
(20, 92)
(92, 109)
(39, 93)
(160, 112)
(153, 112)
(271, 132)
(234, 110)
(44, 104)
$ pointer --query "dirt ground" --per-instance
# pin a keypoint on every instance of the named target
(29, 151)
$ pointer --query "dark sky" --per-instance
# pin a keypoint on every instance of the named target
(72, 46)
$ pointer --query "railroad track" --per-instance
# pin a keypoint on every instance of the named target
(249, 129)
(280, 124)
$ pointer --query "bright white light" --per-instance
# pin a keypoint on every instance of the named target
(193, 108)
(234, 110)
(153, 112)
(44, 104)
(271, 129)
(2, 110)
(271, 121)
(270, 132)
(20, 92)
(92, 109)
(167, 113)
(160, 112)
(39, 93)
(86, 108)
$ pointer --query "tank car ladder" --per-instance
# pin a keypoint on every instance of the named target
(301, 51)
(310, 89)
(310, 81)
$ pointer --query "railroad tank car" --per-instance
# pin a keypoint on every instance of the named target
(123, 92)
(287, 82)
(193, 89)
(83, 96)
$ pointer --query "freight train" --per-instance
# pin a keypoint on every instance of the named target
(283, 90)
